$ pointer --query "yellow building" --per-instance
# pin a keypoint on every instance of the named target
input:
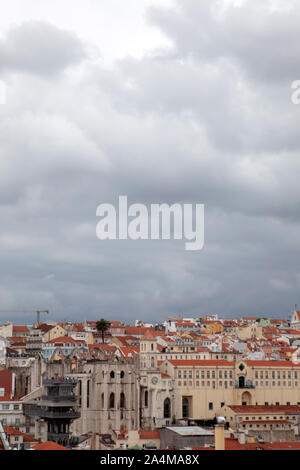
(206, 387)
(50, 332)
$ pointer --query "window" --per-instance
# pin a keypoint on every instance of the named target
(112, 375)
(88, 394)
(210, 406)
(122, 400)
(146, 397)
(167, 408)
(111, 400)
(185, 408)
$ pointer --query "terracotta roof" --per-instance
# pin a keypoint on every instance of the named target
(11, 431)
(44, 327)
(234, 444)
(6, 383)
(149, 434)
(136, 330)
(21, 340)
(64, 339)
(103, 346)
(149, 335)
(78, 327)
(49, 445)
(265, 408)
(272, 363)
(20, 328)
(129, 351)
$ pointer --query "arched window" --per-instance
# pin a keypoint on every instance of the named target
(146, 398)
(112, 375)
(122, 400)
(111, 400)
(102, 400)
(88, 394)
(167, 408)
(79, 391)
(122, 374)
(241, 381)
(185, 408)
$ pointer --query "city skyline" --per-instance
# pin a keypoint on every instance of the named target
(166, 102)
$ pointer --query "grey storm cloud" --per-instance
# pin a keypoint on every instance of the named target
(263, 41)
(41, 48)
(208, 120)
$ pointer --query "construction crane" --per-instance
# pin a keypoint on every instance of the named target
(170, 317)
(38, 312)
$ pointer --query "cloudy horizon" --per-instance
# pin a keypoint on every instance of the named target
(164, 101)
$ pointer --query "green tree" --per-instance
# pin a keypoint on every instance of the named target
(102, 326)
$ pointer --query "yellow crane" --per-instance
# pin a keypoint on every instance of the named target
(38, 312)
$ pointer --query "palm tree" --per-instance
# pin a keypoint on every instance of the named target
(102, 325)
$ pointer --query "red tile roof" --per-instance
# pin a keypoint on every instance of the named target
(6, 380)
(243, 409)
(49, 445)
(234, 444)
(64, 339)
(11, 431)
(20, 328)
(149, 434)
(136, 330)
(272, 363)
(149, 335)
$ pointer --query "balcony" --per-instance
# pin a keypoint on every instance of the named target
(59, 398)
(59, 381)
(242, 384)
(47, 413)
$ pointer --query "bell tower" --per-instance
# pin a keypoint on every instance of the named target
(148, 350)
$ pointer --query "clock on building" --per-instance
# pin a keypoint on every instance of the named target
(154, 380)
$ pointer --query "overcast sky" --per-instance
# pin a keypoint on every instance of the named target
(169, 101)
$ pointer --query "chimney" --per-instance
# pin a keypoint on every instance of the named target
(95, 444)
(220, 434)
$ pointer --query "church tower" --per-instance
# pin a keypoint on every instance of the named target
(148, 350)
